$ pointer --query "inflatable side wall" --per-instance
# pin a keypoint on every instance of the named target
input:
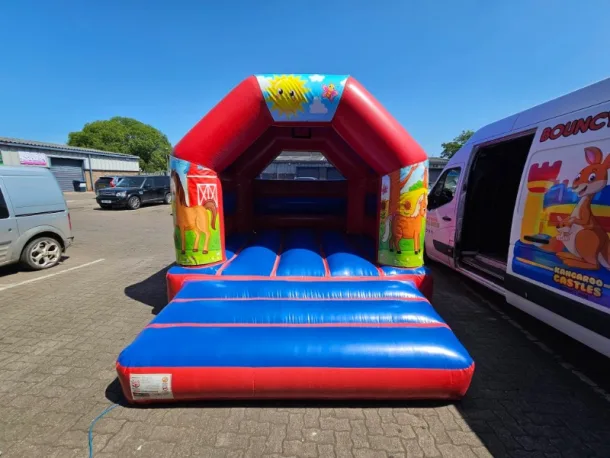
(198, 214)
(402, 216)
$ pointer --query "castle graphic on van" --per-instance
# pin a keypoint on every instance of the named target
(565, 226)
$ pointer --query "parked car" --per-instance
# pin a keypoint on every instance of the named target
(35, 226)
(305, 179)
(106, 182)
(133, 191)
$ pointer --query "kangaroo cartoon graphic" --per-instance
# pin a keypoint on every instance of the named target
(587, 242)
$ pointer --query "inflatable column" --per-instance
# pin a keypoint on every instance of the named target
(402, 216)
(540, 179)
(197, 212)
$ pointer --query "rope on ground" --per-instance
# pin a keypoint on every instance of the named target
(106, 410)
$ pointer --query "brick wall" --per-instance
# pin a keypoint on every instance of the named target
(103, 173)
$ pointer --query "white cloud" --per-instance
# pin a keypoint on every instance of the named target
(317, 107)
(343, 81)
(316, 78)
(264, 82)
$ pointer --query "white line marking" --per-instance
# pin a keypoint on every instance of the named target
(32, 280)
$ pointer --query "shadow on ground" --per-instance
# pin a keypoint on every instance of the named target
(13, 269)
(522, 401)
(151, 291)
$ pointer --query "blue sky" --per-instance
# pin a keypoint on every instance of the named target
(438, 67)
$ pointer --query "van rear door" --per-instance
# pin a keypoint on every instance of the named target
(35, 194)
(8, 225)
(441, 219)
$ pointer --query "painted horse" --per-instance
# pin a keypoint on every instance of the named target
(194, 218)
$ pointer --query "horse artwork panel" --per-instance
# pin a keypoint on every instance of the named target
(199, 218)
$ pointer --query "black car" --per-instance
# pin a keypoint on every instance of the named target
(133, 191)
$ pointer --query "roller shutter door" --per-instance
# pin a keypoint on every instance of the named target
(66, 171)
(333, 174)
(308, 172)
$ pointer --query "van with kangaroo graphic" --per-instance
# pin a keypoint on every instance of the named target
(523, 208)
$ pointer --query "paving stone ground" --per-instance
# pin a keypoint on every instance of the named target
(60, 336)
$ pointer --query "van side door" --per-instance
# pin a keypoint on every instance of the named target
(442, 215)
(8, 225)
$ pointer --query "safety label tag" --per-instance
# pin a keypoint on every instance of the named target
(151, 386)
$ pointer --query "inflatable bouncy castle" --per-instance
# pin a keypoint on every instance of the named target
(297, 289)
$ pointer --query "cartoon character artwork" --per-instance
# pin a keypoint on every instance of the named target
(196, 214)
(564, 239)
(302, 97)
(329, 92)
(404, 202)
(408, 227)
(287, 94)
(587, 243)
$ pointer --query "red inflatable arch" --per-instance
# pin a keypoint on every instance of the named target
(239, 137)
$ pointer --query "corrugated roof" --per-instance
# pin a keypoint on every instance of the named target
(60, 147)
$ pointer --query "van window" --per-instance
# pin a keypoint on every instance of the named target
(444, 189)
(3, 207)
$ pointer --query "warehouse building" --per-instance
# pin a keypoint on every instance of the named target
(294, 165)
(68, 163)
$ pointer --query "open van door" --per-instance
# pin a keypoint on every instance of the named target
(442, 215)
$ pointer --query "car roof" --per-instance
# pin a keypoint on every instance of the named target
(8, 171)
(144, 176)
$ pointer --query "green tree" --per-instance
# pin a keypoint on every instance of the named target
(452, 147)
(126, 136)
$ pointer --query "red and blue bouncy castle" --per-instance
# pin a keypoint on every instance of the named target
(297, 289)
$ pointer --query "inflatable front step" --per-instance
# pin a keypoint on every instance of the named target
(289, 339)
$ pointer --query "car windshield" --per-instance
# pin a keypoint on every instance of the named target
(131, 182)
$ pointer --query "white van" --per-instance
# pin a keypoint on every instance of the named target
(35, 226)
(524, 209)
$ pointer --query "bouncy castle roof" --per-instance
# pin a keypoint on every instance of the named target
(304, 100)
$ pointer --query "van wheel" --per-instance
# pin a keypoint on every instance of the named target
(168, 198)
(134, 203)
(41, 253)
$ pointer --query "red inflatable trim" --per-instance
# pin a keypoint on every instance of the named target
(201, 383)
(296, 325)
(242, 117)
(175, 281)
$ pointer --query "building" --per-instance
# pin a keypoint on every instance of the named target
(291, 165)
(68, 163)
(435, 168)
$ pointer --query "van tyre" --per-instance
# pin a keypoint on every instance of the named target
(41, 253)
(168, 198)
(134, 203)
